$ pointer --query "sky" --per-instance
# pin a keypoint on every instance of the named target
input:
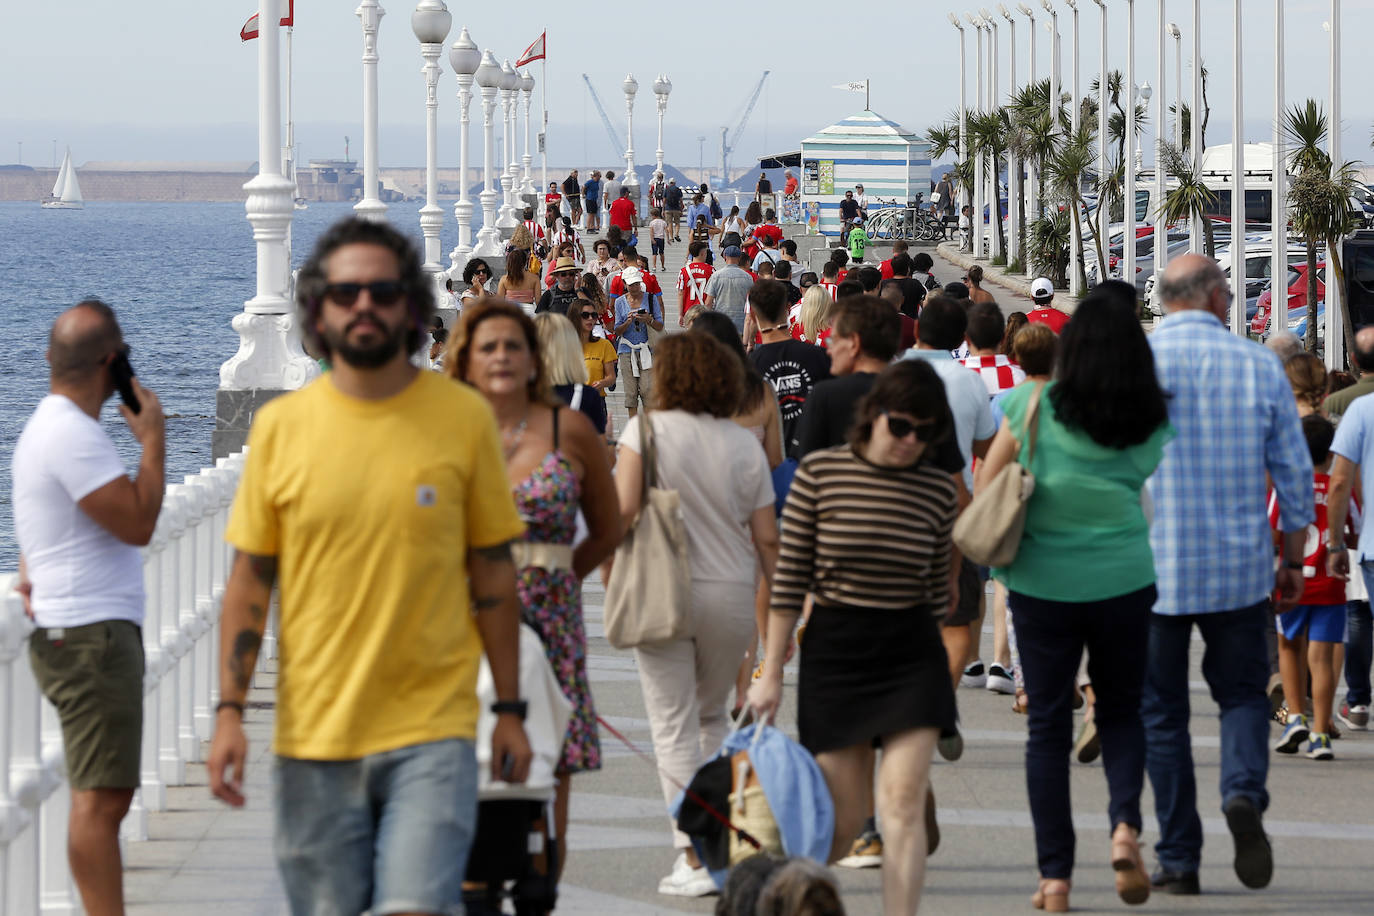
(164, 80)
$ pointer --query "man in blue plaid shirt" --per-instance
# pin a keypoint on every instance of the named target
(1236, 419)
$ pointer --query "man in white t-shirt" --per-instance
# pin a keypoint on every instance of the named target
(610, 192)
(80, 520)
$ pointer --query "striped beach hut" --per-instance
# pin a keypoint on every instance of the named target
(888, 160)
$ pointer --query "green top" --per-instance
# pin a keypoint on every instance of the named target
(858, 241)
(1337, 403)
(1086, 536)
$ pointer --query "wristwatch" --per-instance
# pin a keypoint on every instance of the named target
(516, 707)
(1293, 564)
(1335, 548)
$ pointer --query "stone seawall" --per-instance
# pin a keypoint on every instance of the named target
(129, 186)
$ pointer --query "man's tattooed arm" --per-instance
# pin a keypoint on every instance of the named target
(247, 596)
(489, 571)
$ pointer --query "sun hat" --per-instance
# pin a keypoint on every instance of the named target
(632, 275)
(1042, 288)
(563, 265)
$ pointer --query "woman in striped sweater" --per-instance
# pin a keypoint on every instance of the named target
(867, 529)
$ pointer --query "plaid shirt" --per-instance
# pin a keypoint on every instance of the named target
(1236, 419)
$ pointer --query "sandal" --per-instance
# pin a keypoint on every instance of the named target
(1132, 883)
(1020, 705)
(1052, 896)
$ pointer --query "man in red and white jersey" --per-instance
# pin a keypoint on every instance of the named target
(1042, 292)
(536, 230)
(984, 333)
(830, 281)
(691, 280)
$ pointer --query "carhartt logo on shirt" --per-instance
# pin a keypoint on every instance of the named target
(426, 495)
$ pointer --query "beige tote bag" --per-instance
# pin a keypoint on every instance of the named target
(648, 595)
(989, 531)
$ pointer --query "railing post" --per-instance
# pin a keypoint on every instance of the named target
(193, 505)
(170, 763)
(14, 631)
(26, 783)
(57, 896)
(208, 483)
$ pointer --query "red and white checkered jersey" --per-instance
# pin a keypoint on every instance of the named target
(998, 372)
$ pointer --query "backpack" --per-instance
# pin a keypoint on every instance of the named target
(716, 211)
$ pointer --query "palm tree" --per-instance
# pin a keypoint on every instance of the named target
(987, 136)
(1065, 171)
(1190, 199)
(1319, 201)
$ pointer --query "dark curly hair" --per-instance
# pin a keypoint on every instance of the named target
(1105, 381)
(311, 280)
(911, 386)
(459, 354)
(696, 373)
(719, 326)
(470, 269)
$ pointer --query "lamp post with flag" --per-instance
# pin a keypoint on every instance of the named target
(506, 220)
(536, 52)
(489, 79)
(527, 178)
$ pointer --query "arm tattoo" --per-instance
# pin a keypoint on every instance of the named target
(497, 554)
(264, 568)
(241, 659)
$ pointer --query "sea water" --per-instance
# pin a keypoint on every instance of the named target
(175, 273)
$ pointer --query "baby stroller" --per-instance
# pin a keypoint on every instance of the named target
(514, 854)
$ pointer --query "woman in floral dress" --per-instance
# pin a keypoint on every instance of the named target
(557, 464)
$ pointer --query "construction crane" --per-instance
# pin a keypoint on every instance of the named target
(728, 146)
(611, 132)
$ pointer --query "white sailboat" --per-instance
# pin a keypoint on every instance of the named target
(66, 192)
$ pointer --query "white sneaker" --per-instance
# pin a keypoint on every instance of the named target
(1000, 680)
(975, 675)
(686, 881)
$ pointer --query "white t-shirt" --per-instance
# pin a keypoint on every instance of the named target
(716, 508)
(611, 190)
(658, 229)
(80, 572)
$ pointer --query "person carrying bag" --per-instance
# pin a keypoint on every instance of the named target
(989, 531)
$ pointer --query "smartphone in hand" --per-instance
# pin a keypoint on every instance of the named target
(122, 371)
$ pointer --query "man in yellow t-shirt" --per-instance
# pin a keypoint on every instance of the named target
(377, 495)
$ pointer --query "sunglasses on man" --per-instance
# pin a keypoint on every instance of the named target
(382, 292)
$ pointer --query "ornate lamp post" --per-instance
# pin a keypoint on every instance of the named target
(1032, 181)
(979, 172)
(269, 359)
(631, 180)
(489, 78)
(994, 102)
(662, 86)
(464, 57)
(1014, 188)
(527, 184)
(963, 106)
(431, 22)
(506, 221)
(370, 12)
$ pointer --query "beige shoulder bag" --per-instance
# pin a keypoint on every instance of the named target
(989, 531)
(647, 599)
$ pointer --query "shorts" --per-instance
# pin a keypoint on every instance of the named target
(1322, 622)
(673, 215)
(93, 674)
(970, 597)
(592, 207)
(636, 388)
(656, 246)
(387, 832)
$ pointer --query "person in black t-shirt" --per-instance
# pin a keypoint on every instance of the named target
(849, 211)
(913, 291)
(864, 341)
(792, 367)
(783, 271)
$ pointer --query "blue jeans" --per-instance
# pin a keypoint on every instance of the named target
(1236, 668)
(389, 832)
(1052, 636)
(1359, 644)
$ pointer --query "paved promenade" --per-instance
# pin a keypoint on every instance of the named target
(204, 858)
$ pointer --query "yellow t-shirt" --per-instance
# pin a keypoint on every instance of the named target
(596, 353)
(371, 507)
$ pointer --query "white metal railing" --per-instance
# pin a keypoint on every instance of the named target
(184, 570)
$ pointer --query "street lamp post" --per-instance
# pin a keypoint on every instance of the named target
(1279, 217)
(527, 160)
(979, 173)
(370, 13)
(1196, 239)
(662, 87)
(1128, 186)
(1076, 234)
(1103, 170)
(1032, 173)
(963, 108)
(1178, 82)
(1015, 187)
(994, 101)
(431, 22)
(1238, 184)
(1157, 198)
(488, 77)
(505, 220)
(1335, 296)
(630, 179)
(464, 58)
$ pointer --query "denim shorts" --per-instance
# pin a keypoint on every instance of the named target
(388, 833)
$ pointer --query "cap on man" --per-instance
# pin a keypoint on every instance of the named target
(1042, 294)
(79, 520)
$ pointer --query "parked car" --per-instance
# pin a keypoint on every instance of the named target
(1297, 299)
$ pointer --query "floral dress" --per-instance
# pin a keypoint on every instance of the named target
(551, 600)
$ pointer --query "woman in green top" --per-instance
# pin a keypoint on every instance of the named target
(1084, 575)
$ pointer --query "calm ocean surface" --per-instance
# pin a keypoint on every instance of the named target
(176, 274)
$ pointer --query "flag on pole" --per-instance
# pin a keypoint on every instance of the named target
(852, 87)
(535, 51)
(250, 28)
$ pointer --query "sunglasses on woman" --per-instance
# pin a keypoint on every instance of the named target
(586, 315)
(901, 428)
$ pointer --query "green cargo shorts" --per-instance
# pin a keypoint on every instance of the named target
(93, 674)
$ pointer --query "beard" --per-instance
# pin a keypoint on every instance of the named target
(372, 356)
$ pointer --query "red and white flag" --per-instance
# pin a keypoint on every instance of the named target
(535, 51)
(250, 28)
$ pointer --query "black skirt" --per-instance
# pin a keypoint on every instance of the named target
(869, 673)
